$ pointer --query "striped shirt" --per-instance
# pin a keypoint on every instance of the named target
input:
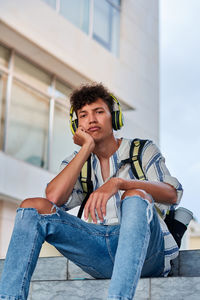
(153, 164)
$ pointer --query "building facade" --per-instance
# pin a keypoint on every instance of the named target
(50, 47)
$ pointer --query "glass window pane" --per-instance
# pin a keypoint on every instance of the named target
(77, 12)
(3, 83)
(52, 3)
(115, 31)
(115, 2)
(106, 27)
(4, 56)
(32, 74)
(63, 145)
(28, 125)
(102, 22)
(62, 90)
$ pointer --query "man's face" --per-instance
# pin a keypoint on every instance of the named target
(95, 118)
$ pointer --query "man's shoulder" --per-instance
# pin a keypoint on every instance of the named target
(147, 147)
(142, 141)
(69, 158)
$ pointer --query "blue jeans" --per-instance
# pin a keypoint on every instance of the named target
(121, 252)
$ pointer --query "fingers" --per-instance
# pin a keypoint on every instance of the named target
(90, 209)
(82, 137)
(96, 205)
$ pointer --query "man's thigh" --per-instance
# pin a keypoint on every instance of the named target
(90, 246)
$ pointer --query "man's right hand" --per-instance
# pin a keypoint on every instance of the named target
(81, 138)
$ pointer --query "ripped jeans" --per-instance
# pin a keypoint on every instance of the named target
(121, 252)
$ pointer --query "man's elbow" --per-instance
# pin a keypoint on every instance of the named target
(52, 196)
(173, 197)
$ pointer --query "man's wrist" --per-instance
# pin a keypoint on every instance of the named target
(89, 146)
(120, 183)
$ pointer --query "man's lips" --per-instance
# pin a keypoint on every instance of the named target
(94, 128)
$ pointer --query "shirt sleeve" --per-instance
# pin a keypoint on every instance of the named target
(155, 169)
(77, 196)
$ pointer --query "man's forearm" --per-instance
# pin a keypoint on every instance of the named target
(60, 188)
(161, 192)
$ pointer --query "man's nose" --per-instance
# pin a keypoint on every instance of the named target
(92, 118)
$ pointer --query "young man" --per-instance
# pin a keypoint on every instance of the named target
(126, 238)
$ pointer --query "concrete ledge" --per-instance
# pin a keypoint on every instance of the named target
(56, 278)
(59, 268)
(186, 264)
(79, 289)
(179, 288)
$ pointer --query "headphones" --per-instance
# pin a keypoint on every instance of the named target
(117, 117)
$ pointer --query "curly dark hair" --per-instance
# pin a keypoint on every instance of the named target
(89, 93)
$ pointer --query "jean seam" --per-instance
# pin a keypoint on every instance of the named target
(8, 297)
(108, 245)
(28, 266)
(144, 244)
(90, 268)
(76, 226)
(156, 253)
(109, 250)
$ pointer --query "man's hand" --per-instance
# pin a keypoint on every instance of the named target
(99, 198)
(81, 137)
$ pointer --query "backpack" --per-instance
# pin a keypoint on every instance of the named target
(176, 228)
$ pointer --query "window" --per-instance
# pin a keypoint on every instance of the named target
(52, 3)
(32, 74)
(77, 12)
(4, 56)
(62, 142)
(100, 19)
(35, 126)
(28, 125)
(3, 82)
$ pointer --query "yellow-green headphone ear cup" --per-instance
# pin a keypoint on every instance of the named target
(117, 116)
(117, 120)
(74, 126)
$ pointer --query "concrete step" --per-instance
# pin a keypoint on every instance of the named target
(180, 288)
(56, 278)
(59, 268)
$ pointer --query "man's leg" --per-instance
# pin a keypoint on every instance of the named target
(140, 238)
(90, 246)
(24, 248)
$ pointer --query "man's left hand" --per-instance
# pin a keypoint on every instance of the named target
(98, 199)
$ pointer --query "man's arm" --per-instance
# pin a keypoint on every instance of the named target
(161, 192)
(160, 184)
(60, 188)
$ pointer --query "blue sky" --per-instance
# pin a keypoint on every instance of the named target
(180, 95)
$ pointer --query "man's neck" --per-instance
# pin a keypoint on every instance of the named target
(106, 148)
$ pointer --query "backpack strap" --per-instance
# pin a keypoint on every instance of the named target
(86, 182)
(135, 158)
(136, 162)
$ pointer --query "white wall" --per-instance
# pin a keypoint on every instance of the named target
(19, 180)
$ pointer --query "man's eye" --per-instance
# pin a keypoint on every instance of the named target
(82, 116)
(100, 111)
